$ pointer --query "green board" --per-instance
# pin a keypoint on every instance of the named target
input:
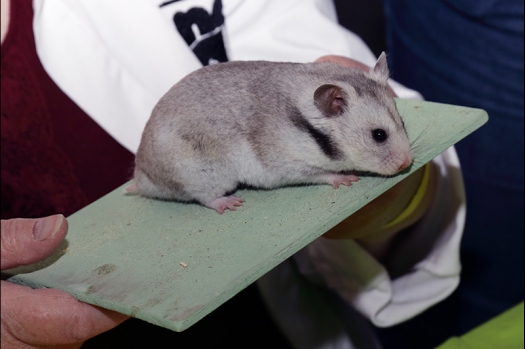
(171, 264)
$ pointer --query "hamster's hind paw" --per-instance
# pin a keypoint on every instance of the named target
(225, 202)
(337, 179)
(131, 189)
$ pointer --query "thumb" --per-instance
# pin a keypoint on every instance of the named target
(344, 61)
(26, 241)
(349, 63)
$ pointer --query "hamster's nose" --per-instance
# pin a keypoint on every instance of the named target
(405, 163)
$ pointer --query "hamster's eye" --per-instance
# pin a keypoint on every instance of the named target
(379, 135)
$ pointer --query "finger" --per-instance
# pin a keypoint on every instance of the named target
(26, 241)
(349, 63)
(344, 61)
(52, 317)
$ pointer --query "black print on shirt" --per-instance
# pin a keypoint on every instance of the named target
(202, 32)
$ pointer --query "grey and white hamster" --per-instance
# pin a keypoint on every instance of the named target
(268, 124)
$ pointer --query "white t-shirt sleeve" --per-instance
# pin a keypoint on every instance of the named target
(114, 59)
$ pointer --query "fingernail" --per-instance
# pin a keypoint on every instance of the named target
(46, 227)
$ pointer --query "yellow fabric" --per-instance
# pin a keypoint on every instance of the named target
(503, 332)
(416, 199)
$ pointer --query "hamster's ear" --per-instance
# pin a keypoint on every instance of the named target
(329, 100)
(380, 72)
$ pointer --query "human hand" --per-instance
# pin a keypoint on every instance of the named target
(349, 63)
(371, 225)
(367, 224)
(46, 317)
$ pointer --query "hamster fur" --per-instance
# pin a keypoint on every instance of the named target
(268, 124)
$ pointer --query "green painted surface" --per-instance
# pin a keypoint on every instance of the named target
(125, 252)
(505, 331)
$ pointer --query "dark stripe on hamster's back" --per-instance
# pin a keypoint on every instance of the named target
(327, 145)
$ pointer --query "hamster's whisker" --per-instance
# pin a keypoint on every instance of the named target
(425, 130)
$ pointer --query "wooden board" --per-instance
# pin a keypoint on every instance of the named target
(125, 252)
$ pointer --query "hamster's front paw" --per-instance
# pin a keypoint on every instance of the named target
(337, 179)
(225, 202)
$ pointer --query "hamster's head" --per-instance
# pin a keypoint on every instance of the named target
(363, 121)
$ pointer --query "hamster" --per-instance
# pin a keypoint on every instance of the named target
(266, 125)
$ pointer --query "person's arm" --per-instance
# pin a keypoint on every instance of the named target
(374, 225)
(398, 255)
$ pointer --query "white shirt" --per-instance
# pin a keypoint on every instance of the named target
(116, 58)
